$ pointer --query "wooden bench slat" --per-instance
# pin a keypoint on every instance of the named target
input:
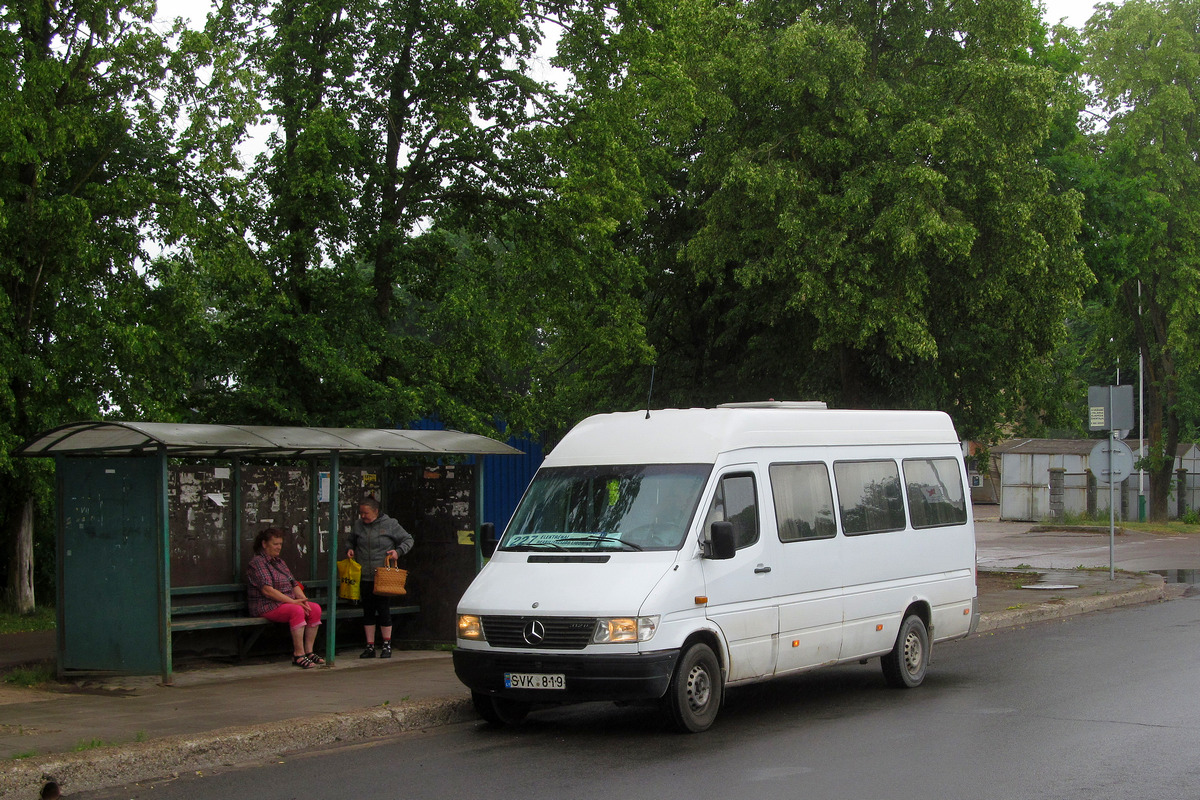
(212, 588)
(208, 608)
(193, 618)
(213, 623)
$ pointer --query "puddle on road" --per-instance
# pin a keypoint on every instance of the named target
(1178, 575)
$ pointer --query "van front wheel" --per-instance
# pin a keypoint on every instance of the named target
(906, 665)
(498, 710)
(694, 696)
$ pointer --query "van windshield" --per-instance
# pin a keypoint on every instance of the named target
(638, 507)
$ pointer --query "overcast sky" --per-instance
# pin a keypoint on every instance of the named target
(1076, 11)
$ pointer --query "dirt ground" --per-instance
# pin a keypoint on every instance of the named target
(993, 582)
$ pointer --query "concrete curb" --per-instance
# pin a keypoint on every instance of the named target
(170, 756)
(1054, 609)
(1118, 530)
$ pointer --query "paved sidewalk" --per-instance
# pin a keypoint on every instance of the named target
(94, 734)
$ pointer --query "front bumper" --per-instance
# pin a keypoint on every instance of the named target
(641, 676)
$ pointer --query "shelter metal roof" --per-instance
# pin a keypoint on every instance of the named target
(1070, 447)
(227, 441)
(1051, 447)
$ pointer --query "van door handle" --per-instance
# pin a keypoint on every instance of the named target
(760, 570)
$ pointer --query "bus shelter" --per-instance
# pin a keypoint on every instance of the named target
(113, 537)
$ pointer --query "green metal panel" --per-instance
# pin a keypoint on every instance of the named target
(111, 550)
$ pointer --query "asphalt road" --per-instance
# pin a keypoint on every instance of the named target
(1003, 545)
(1100, 706)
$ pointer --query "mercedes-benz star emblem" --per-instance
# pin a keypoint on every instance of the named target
(534, 632)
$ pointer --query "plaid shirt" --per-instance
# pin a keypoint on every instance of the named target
(263, 571)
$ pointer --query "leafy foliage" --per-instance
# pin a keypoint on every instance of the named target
(88, 168)
(856, 209)
(407, 245)
(1143, 58)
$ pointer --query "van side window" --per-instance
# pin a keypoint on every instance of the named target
(803, 501)
(935, 492)
(869, 496)
(736, 501)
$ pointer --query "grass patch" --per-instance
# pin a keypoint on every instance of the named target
(1185, 526)
(91, 744)
(40, 619)
(28, 677)
(1174, 526)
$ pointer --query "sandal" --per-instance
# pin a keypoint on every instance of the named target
(315, 660)
(302, 662)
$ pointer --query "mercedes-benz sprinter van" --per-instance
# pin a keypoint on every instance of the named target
(666, 555)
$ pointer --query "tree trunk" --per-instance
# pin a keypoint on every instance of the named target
(18, 594)
(1151, 324)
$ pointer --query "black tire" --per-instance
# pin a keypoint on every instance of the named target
(696, 691)
(498, 710)
(906, 665)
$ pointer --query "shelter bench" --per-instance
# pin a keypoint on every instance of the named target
(218, 606)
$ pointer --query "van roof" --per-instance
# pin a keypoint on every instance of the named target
(700, 435)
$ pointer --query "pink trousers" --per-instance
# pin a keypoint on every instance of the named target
(296, 615)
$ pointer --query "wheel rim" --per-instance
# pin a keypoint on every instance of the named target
(914, 654)
(699, 688)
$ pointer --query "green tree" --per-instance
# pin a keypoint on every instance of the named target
(88, 171)
(857, 207)
(1144, 59)
(410, 242)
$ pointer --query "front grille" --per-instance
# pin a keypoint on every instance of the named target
(558, 633)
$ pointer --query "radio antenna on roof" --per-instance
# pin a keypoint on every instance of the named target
(650, 393)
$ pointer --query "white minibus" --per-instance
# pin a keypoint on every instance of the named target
(666, 555)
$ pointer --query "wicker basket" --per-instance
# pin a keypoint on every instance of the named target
(389, 579)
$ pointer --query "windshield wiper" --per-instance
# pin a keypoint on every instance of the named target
(522, 548)
(600, 538)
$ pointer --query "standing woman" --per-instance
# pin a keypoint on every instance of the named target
(274, 594)
(374, 538)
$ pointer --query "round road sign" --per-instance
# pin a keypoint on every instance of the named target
(1111, 462)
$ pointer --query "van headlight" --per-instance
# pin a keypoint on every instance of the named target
(612, 630)
(470, 627)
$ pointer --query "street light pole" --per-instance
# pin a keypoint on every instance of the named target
(1141, 416)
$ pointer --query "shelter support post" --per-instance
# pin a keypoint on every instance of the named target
(237, 517)
(164, 566)
(479, 512)
(60, 539)
(334, 550)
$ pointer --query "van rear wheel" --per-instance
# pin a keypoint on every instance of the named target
(694, 696)
(499, 710)
(906, 665)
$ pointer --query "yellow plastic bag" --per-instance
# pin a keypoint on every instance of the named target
(349, 575)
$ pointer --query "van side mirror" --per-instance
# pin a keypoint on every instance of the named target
(722, 543)
(487, 539)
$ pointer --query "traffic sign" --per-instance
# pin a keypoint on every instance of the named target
(1110, 408)
(1111, 461)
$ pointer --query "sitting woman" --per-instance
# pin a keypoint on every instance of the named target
(274, 594)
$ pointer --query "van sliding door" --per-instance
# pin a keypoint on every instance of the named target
(809, 565)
